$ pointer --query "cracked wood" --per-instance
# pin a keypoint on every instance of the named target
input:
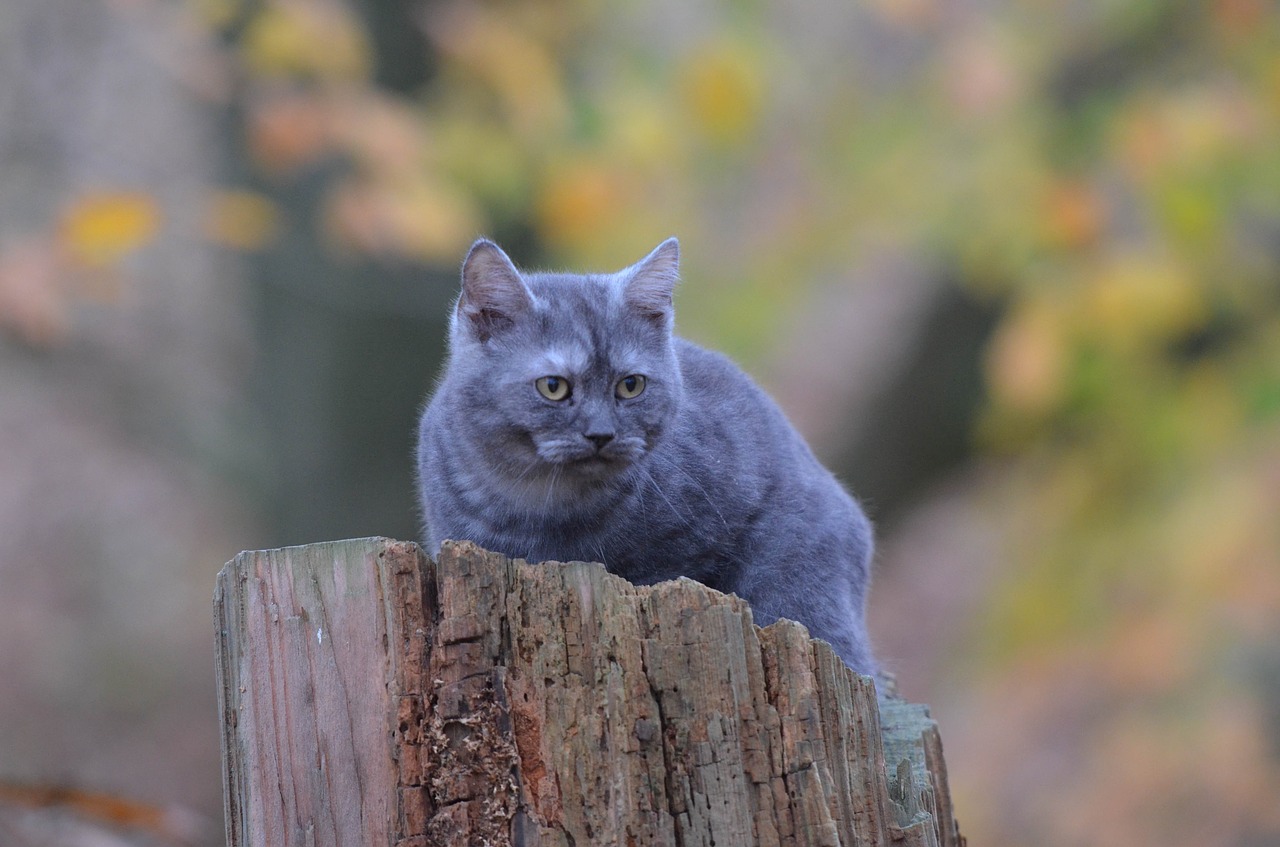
(372, 696)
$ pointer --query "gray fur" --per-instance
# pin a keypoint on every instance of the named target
(700, 475)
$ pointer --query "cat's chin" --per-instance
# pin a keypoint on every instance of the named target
(594, 467)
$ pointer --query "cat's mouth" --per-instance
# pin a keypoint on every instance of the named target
(575, 457)
(594, 464)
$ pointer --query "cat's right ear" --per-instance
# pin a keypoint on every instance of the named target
(650, 283)
(493, 294)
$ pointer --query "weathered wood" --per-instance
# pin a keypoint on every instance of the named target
(370, 696)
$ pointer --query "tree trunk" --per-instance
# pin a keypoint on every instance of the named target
(370, 696)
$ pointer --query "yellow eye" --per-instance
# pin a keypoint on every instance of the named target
(553, 387)
(630, 386)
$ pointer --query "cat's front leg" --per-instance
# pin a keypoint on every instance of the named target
(827, 603)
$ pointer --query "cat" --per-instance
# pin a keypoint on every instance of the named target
(570, 423)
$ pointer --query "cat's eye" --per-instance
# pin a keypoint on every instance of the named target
(630, 386)
(553, 387)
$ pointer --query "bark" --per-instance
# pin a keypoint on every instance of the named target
(371, 696)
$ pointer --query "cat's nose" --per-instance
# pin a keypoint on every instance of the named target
(599, 438)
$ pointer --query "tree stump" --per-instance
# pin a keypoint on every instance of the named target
(371, 696)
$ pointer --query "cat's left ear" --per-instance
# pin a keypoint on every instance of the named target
(650, 283)
(493, 294)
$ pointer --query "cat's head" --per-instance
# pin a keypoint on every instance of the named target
(564, 376)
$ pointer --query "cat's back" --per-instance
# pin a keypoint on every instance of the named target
(719, 395)
(731, 428)
(713, 378)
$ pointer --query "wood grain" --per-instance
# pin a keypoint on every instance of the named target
(371, 696)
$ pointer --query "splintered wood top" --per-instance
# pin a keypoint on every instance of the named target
(371, 696)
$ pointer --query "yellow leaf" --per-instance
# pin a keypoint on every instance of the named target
(102, 227)
(642, 131)
(485, 157)
(307, 39)
(723, 91)
(1138, 297)
(241, 220)
(512, 62)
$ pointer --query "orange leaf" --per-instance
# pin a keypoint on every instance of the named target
(1074, 215)
(33, 301)
(579, 201)
(723, 89)
(289, 130)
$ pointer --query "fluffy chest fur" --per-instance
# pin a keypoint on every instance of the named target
(570, 423)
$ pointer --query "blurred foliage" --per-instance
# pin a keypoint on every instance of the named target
(1107, 173)
(42, 274)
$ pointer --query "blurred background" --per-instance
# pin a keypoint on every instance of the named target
(1013, 268)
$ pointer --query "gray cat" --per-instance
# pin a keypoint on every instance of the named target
(571, 424)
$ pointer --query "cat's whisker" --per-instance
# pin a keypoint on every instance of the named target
(675, 466)
(683, 519)
(551, 485)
